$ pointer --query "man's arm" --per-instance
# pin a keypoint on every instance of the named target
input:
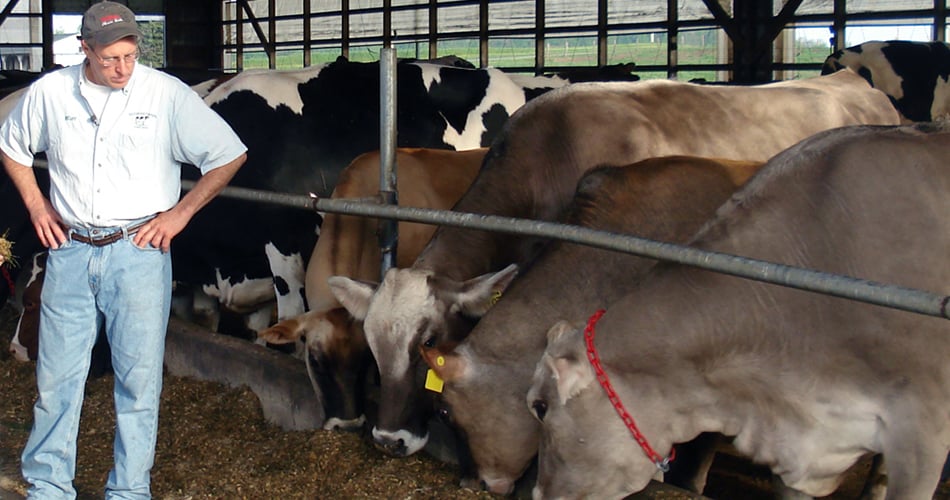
(47, 223)
(160, 230)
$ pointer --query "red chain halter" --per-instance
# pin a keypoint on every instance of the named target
(661, 463)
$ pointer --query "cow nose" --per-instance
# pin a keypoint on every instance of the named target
(395, 447)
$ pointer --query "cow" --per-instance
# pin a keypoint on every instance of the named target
(667, 199)
(337, 356)
(913, 74)
(531, 171)
(807, 384)
(25, 343)
(302, 127)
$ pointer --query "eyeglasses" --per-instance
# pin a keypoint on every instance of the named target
(109, 62)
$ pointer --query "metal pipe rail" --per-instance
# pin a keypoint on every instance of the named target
(882, 294)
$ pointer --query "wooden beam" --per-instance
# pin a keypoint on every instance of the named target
(722, 17)
(775, 28)
(255, 24)
(5, 13)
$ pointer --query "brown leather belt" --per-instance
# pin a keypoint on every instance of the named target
(109, 238)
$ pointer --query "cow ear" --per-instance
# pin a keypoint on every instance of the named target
(571, 371)
(353, 295)
(450, 367)
(480, 293)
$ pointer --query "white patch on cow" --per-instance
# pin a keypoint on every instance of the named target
(334, 423)
(290, 268)
(204, 88)
(278, 87)
(871, 57)
(940, 110)
(537, 82)
(16, 348)
(501, 90)
(412, 443)
(242, 297)
(392, 321)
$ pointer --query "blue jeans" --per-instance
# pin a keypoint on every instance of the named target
(128, 290)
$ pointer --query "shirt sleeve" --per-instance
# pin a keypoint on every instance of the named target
(201, 137)
(22, 133)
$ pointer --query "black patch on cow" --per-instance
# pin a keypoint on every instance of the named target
(16, 226)
(918, 65)
(865, 73)
(531, 93)
(280, 284)
(458, 93)
(493, 120)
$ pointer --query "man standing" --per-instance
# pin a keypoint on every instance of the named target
(115, 135)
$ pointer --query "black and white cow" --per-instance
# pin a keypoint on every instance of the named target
(302, 127)
(913, 74)
(806, 383)
(531, 172)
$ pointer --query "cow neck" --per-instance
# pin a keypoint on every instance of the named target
(661, 463)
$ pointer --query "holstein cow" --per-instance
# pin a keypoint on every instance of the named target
(487, 375)
(302, 127)
(531, 172)
(913, 74)
(807, 384)
(337, 355)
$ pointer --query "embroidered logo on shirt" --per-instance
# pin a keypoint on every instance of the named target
(143, 120)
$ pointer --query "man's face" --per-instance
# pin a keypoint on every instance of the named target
(111, 65)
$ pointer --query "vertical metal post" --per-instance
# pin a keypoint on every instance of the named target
(388, 229)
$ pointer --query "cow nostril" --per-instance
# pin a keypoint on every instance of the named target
(483, 485)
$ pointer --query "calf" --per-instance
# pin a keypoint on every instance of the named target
(807, 384)
(337, 354)
(913, 74)
(531, 172)
(665, 199)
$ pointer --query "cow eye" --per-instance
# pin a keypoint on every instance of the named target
(445, 415)
(430, 342)
(540, 408)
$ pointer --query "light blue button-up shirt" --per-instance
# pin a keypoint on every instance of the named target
(122, 162)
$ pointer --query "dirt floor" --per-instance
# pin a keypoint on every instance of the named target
(214, 442)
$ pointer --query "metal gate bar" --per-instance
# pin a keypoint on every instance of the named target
(882, 294)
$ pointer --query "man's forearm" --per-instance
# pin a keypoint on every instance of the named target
(25, 181)
(209, 185)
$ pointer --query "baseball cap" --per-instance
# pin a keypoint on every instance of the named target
(106, 22)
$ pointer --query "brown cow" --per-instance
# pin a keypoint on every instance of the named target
(665, 199)
(807, 383)
(338, 356)
(531, 172)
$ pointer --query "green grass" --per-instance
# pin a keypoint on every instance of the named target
(558, 52)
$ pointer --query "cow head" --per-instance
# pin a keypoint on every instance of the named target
(337, 360)
(486, 411)
(409, 309)
(585, 449)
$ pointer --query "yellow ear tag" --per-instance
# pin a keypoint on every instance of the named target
(495, 297)
(433, 382)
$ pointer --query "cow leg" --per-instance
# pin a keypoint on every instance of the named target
(875, 487)
(783, 492)
(693, 460)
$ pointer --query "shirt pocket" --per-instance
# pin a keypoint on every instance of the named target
(137, 149)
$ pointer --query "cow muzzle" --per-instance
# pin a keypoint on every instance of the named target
(401, 443)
